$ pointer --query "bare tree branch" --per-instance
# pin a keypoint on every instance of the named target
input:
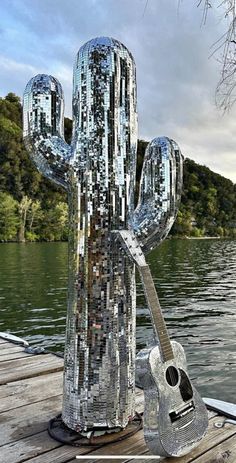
(206, 6)
(225, 46)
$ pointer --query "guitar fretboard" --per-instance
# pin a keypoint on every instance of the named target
(156, 313)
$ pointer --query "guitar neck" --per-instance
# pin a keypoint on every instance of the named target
(134, 251)
(156, 313)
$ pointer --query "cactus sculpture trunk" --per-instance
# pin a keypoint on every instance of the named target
(101, 310)
(98, 172)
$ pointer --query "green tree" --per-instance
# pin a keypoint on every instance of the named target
(54, 225)
(183, 223)
(35, 214)
(8, 217)
(23, 209)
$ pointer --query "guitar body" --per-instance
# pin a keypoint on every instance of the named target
(175, 417)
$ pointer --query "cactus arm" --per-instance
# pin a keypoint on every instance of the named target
(160, 192)
(43, 128)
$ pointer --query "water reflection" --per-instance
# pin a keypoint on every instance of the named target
(196, 287)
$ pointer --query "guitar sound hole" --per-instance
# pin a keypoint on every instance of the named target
(172, 376)
(185, 387)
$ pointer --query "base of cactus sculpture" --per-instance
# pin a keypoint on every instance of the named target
(102, 436)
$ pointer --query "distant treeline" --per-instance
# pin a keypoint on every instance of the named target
(34, 209)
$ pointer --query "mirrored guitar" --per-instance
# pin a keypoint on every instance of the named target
(175, 416)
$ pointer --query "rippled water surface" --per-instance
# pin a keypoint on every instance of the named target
(196, 284)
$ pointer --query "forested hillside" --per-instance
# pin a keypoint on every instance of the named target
(32, 208)
(208, 203)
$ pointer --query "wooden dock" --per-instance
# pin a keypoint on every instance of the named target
(30, 394)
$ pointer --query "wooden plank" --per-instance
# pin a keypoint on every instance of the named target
(138, 460)
(4, 341)
(223, 453)
(61, 455)
(29, 447)
(28, 367)
(27, 420)
(10, 345)
(67, 453)
(39, 448)
(30, 390)
(13, 356)
(134, 445)
(25, 363)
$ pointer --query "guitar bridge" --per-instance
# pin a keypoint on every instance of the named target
(176, 415)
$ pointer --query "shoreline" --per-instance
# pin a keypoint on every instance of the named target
(175, 237)
(205, 237)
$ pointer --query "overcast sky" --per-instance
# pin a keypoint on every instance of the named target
(176, 78)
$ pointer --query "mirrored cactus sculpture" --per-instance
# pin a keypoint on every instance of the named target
(98, 172)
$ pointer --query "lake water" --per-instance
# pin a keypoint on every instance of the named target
(196, 284)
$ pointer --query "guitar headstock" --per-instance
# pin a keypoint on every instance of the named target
(131, 246)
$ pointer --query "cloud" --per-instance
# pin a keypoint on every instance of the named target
(176, 78)
(12, 66)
